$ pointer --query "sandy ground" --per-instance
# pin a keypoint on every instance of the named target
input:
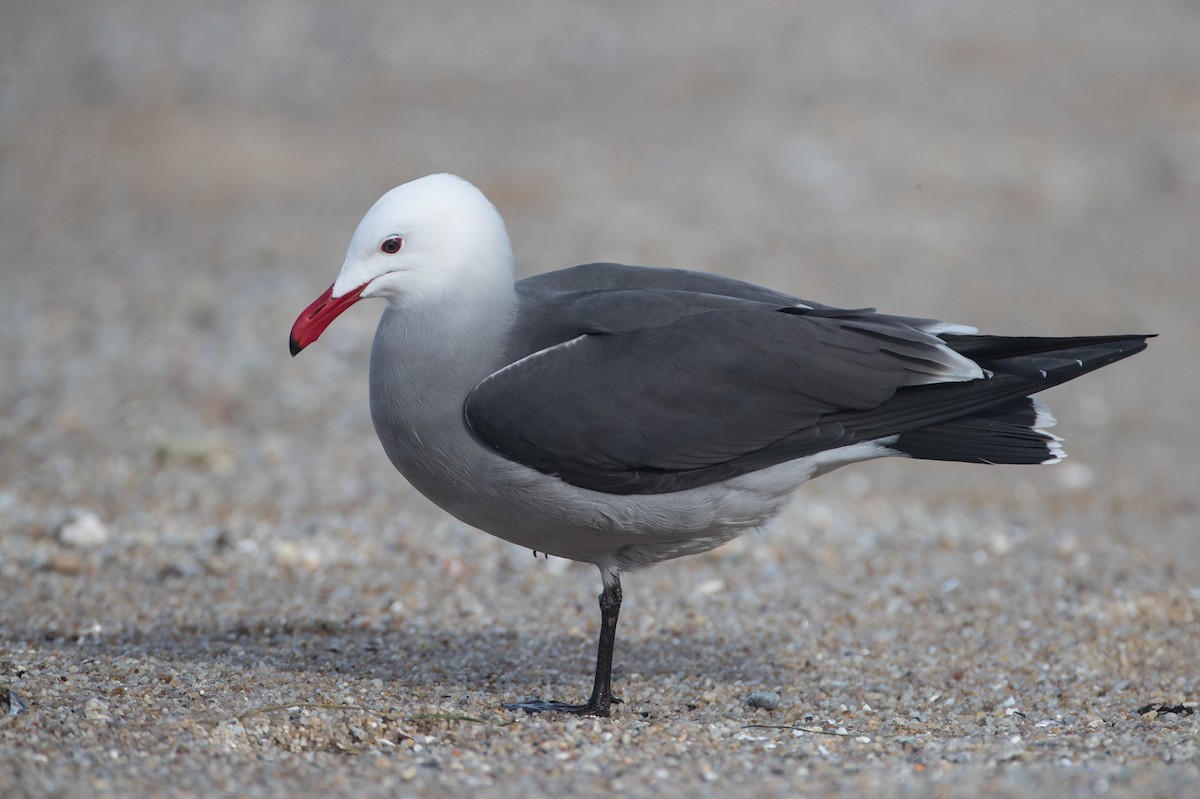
(200, 538)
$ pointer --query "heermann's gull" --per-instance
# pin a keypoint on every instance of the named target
(624, 415)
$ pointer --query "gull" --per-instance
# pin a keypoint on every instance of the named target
(625, 415)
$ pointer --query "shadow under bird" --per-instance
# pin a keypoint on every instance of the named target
(624, 415)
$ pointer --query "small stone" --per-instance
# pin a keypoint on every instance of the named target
(767, 700)
(1074, 475)
(16, 705)
(96, 710)
(66, 562)
(196, 453)
(297, 556)
(84, 531)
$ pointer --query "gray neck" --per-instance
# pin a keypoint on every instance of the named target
(424, 362)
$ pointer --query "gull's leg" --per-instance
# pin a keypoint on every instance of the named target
(602, 698)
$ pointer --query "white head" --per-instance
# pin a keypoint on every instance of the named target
(432, 240)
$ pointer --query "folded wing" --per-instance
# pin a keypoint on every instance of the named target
(656, 390)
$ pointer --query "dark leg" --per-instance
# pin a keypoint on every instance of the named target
(602, 698)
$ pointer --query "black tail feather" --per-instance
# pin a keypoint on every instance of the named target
(1011, 432)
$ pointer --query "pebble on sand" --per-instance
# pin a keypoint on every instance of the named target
(83, 530)
(767, 700)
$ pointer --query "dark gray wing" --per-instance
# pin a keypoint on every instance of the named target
(613, 277)
(601, 277)
(649, 390)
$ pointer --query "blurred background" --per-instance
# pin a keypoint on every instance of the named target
(179, 180)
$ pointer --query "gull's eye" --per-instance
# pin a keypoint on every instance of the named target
(391, 245)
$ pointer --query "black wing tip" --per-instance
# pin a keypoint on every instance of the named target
(1115, 349)
(1134, 338)
(1064, 357)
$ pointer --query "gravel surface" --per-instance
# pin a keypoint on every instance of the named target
(213, 583)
